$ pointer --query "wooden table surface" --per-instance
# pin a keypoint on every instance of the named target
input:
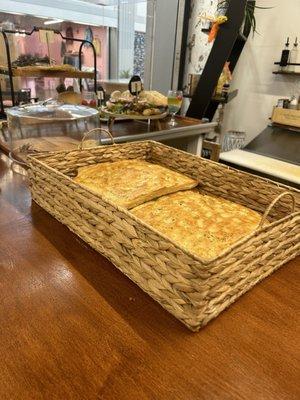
(133, 127)
(123, 131)
(73, 327)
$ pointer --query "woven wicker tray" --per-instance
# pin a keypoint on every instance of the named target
(193, 290)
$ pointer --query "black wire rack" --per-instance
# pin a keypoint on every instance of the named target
(9, 70)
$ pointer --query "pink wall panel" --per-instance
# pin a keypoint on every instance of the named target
(101, 34)
(32, 45)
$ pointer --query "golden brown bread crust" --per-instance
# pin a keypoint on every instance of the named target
(204, 225)
(130, 183)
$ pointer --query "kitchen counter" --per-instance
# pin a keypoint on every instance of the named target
(73, 327)
(285, 172)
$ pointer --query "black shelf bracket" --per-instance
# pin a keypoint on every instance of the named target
(278, 63)
(227, 46)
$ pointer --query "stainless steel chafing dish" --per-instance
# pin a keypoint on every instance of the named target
(48, 126)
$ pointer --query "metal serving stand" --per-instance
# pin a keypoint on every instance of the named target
(18, 72)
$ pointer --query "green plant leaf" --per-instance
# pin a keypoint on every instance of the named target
(250, 18)
(264, 8)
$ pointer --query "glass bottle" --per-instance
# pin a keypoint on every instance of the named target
(285, 56)
(294, 56)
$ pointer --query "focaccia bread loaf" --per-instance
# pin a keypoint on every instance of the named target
(129, 183)
(148, 96)
(155, 98)
(204, 225)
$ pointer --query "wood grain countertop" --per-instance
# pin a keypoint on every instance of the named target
(73, 327)
(134, 127)
(160, 130)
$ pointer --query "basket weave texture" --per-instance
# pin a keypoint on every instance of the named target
(193, 290)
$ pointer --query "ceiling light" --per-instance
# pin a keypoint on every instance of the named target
(97, 25)
(85, 23)
(53, 21)
(13, 12)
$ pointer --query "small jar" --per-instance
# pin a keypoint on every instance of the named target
(233, 140)
(89, 99)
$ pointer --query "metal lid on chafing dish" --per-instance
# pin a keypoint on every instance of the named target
(54, 111)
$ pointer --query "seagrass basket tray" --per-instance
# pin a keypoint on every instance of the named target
(193, 290)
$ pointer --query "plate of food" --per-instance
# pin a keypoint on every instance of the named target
(148, 105)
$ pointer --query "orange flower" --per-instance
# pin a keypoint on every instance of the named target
(215, 28)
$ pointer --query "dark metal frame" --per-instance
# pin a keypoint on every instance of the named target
(29, 33)
(185, 32)
(227, 46)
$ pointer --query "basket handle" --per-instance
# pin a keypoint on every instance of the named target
(275, 201)
(99, 130)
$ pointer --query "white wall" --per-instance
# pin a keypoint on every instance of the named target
(259, 89)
